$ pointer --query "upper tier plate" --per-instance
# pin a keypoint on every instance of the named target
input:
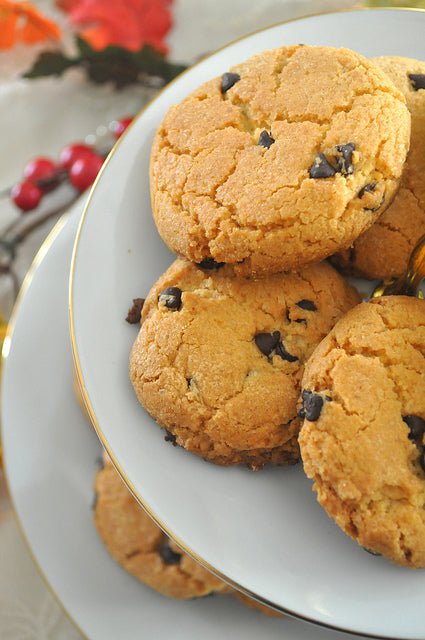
(50, 455)
(262, 531)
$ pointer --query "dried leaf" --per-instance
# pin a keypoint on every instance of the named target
(50, 63)
(112, 64)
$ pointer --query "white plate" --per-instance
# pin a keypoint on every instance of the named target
(50, 457)
(263, 531)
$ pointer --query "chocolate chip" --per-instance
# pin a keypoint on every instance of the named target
(228, 79)
(422, 460)
(311, 407)
(267, 342)
(368, 188)
(307, 305)
(301, 321)
(170, 438)
(372, 553)
(416, 426)
(282, 353)
(345, 161)
(417, 80)
(171, 298)
(321, 167)
(209, 264)
(265, 139)
(135, 312)
(168, 555)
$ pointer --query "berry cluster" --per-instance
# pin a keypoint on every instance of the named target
(79, 163)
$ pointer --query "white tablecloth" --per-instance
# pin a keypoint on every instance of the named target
(62, 111)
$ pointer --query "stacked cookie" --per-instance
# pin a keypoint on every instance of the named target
(281, 162)
(383, 251)
(363, 438)
(219, 358)
(285, 159)
(144, 551)
(292, 157)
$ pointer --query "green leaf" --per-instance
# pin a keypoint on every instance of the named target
(124, 67)
(85, 48)
(112, 64)
(154, 63)
(50, 63)
(102, 70)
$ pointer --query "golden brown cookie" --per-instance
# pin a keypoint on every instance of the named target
(129, 533)
(383, 250)
(268, 167)
(141, 548)
(362, 441)
(219, 358)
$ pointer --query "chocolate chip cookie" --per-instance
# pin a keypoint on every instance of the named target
(219, 358)
(362, 441)
(271, 165)
(141, 548)
(383, 250)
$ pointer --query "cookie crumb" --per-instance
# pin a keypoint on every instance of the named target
(135, 312)
(170, 438)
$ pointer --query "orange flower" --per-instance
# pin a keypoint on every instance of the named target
(126, 23)
(21, 22)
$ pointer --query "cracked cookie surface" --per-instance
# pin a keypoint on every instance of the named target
(264, 172)
(219, 358)
(383, 250)
(365, 449)
(141, 548)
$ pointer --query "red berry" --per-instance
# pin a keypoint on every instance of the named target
(26, 195)
(121, 126)
(39, 169)
(84, 171)
(74, 152)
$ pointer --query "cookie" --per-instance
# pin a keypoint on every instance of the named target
(383, 250)
(362, 441)
(266, 167)
(141, 548)
(219, 358)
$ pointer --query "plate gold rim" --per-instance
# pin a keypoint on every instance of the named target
(26, 284)
(78, 371)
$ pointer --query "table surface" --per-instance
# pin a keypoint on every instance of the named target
(28, 610)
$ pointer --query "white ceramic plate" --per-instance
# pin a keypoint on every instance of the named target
(262, 531)
(50, 456)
